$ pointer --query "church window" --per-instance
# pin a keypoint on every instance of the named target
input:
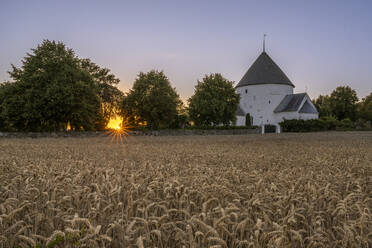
(246, 91)
(269, 101)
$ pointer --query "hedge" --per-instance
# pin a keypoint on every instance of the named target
(313, 125)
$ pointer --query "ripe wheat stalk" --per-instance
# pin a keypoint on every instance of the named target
(300, 190)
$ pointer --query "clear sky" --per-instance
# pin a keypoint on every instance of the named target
(318, 44)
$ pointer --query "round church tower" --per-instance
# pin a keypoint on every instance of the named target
(261, 90)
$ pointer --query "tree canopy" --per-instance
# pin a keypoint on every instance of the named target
(53, 89)
(322, 105)
(214, 101)
(152, 101)
(343, 102)
(365, 108)
(109, 95)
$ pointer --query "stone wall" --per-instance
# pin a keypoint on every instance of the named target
(175, 132)
(170, 132)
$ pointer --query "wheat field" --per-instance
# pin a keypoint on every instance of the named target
(288, 190)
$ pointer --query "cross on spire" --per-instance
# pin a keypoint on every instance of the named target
(264, 37)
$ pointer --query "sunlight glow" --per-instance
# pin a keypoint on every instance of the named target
(118, 129)
(115, 123)
(68, 127)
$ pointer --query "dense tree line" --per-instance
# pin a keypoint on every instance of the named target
(54, 90)
(153, 103)
(343, 104)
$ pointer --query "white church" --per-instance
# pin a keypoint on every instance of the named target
(266, 94)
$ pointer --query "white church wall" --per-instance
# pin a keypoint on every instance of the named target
(240, 121)
(261, 100)
(279, 117)
(307, 116)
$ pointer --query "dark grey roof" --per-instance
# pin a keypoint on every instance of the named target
(240, 112)
(264, 71)
(307, 108)
(290, 103)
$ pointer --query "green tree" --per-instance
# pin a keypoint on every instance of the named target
(322, 104)
(342, 102)
(110, 96)
(50, 90)
(214, 101)
(152, 101)
(365, 108)
(11, 104)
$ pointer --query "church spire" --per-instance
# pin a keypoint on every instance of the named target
(263, 44)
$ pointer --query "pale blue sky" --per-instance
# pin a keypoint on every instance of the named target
(318, 44)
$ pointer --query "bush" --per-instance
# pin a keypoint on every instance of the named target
(362, 124)
(323, 124)
(346, 124)
(331, 123)
(293, 126)
(312, 125)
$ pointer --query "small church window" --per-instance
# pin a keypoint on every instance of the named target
(246, 91)
(269, 101)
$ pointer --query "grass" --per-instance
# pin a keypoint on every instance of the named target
(287, 190)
